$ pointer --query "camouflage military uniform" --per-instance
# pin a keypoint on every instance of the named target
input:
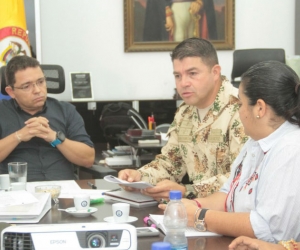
(204, 150)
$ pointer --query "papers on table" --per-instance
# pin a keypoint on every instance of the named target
(137, 184)
(18, 210)
(15, 198)
(189, 231)
(68, 189)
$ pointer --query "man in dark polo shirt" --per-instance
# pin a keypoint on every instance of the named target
(46, 133)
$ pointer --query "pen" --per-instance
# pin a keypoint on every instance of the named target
(149, 222)
(91, 185)
(113, 190)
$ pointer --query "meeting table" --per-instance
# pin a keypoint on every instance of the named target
(55, 216)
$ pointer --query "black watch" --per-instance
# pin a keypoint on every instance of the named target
(60, 138)
(191, 196)
(200, 224)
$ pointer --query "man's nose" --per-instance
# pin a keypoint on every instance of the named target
(35, 87)
(185, 81)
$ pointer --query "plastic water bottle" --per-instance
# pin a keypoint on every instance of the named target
(161, 246)
(175, 222)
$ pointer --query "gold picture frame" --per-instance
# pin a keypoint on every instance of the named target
(137, 38)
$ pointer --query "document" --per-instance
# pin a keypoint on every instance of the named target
(26, 213)
(15, 198)
(137, 184)
(189, 231)
(135, 199)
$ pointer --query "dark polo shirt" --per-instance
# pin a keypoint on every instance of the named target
(44, 161)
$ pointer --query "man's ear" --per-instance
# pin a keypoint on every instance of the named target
(10, 91)
(216, 70)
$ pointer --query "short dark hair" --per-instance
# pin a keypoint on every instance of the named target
(18, 63)
(277, 85)
(196, 47)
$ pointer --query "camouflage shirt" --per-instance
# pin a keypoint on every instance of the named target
(204, 150)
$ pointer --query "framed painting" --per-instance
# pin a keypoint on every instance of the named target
(159, 25)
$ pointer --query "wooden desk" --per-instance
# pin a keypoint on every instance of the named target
(104, 210)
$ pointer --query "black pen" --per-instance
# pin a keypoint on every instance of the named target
(92, 185)
(113, 190)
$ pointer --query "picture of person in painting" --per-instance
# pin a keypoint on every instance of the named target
(194, 19)
(176, 20)
(158, 24)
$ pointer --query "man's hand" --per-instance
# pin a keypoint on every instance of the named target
(36, 127)
(129, 175)
(162, 189)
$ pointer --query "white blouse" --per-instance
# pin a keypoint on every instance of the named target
(269, 184)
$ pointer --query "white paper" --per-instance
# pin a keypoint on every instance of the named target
(93, 193)
(189, 231)
(137, 184)
(15, 198)
(41, 208)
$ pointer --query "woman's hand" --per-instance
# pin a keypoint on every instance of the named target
(247, 243)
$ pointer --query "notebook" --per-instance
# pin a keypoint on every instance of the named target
(189, 231)
(135, 199)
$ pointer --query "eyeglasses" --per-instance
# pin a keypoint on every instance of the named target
(26, 87)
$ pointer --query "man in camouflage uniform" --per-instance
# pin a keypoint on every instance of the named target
(206, 134)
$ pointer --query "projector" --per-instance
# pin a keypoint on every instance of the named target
(73, 236)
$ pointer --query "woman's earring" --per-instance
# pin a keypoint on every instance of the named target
(257, 116)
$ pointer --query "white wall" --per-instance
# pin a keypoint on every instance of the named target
(69, 40)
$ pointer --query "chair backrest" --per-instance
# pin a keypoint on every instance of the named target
(245, 58)
(117, 118)
(55, 76)
(163, 128)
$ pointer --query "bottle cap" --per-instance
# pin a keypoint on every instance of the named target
(175, 195)
(161, 246)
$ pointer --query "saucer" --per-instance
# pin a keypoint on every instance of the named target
(110, 219)
(82, 213)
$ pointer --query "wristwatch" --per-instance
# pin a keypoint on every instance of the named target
(200, 224)
(190, 192)
(190, 196)
(60, 137)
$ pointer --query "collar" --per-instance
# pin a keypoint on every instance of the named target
(268, 142)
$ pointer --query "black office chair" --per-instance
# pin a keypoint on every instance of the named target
(55, 76)
(245, 58)
(116, 119)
